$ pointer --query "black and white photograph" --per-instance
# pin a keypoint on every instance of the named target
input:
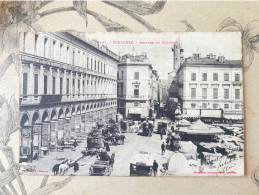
(131, 104)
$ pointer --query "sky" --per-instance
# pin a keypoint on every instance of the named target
(160, 53)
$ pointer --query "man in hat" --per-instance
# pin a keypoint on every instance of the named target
(163, 148)
(155, 167)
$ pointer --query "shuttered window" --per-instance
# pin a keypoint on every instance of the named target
(204, 77)
(67, 86)
(78, 86)
(237, 94)
(193, 76)
(226, 77)
(215, 93)
(215, 76)
(193, 93)
(53, 85)
(61, 85)
(73, 89)
(45, 84)
(226, 93)
(25, 83)
(36, 87)
(204, 93)
(237, 77)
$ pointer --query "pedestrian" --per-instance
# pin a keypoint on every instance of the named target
(163, 148)
(76, 166)
(150, 126)
(75, 144)
(167, 140)
(161, 133)
(36, 156)
(107, 147)
(155, 167)
(62, 143)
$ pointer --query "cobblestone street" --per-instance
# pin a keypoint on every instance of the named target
(123, 154)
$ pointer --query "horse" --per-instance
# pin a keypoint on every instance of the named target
(55, 169)
(63, 168)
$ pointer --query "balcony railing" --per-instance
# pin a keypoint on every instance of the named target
(134, 96)
(53, 99)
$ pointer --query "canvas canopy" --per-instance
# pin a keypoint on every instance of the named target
(200, 128)
(188, 149)
(178, 164)
(184, 122)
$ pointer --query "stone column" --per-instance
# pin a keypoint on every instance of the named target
(76, 84)
(64, 83)
(87, 84)
(81, 85)
(58, 82)
(71, 83)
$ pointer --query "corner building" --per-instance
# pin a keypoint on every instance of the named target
(138, 87)
(211, 87)
(68, 85)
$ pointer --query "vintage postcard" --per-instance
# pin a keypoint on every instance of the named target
(41, 129)
(138, 104)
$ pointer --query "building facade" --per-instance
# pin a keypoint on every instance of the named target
(211, 87)
(69, 84)
(138, 87)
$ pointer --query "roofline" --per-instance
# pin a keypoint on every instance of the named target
(135, 64)
(89, 45)
(211, 65)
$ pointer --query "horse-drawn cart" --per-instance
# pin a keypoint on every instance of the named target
(94, 143)
(162, 125)
(141, 164)
(101, 168)
(103, 165)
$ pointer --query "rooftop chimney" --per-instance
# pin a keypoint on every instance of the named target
(221, 59)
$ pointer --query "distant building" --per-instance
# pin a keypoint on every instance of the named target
(178, 61)
(163, 90)
(211, 87)
(138, 87)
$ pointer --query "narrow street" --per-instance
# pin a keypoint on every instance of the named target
(123, 154)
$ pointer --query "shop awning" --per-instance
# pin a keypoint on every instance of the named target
(135, 110)
(211, 113)
(186, 116)
(190, 113)
(233, 116)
